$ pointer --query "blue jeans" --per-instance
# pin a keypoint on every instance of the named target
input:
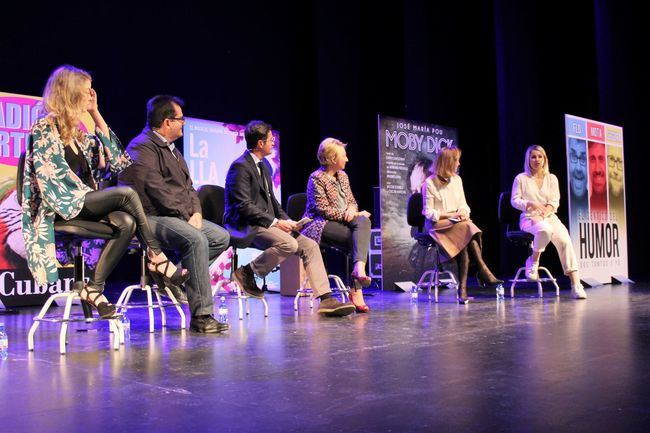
(198, 249)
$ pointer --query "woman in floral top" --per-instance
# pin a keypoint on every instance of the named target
(336, 218)
(62, 167)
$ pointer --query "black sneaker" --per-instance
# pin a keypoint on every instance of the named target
(207, 325)
(332, 307)
(245, 277)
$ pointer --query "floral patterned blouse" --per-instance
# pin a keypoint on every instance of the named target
(50, 187)
(323, 201)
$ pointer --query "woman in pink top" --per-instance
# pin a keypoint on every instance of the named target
(536, 193)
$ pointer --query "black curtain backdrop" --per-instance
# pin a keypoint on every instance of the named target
(503, 72)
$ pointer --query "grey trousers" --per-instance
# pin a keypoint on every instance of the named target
(353, 236)
(278, 245)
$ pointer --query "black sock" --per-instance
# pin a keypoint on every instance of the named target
(325, 296)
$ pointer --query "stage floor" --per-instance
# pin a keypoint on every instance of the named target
(522, 365)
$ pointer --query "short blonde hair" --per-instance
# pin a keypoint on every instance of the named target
(541, 150)
(327, 150)
(445, 161)
(65, 101)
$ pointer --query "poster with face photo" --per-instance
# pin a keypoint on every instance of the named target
(209, 148)
(596, 188)
(407, 150)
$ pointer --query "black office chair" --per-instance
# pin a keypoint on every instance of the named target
(431, 277)
(296, 205)
(73, 232)
(212, 198)
(509, 218)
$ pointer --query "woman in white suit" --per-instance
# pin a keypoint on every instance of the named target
(536, 193)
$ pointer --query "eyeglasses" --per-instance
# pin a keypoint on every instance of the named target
(575, 159)
(180, 119)
(596, 159)
(614, 162)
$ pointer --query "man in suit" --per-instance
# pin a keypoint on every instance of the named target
(161, 178)
(252, 208)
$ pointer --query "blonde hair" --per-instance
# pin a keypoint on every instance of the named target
(327, 150)
(65, 101)
(541, 150)
(445, 161)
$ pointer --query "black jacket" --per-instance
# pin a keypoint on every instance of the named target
(247, 204)
(162, 181)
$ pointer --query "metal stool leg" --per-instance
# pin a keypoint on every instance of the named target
(64, 326)
(150, 310)
(41, 314)
(163, 313)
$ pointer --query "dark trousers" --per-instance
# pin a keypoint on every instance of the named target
(353, 236)
(121, 208)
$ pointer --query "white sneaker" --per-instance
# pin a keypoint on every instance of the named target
(531, 269)
(578, 291)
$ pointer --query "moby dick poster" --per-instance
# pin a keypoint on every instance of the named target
(597, 197)
(407, 150)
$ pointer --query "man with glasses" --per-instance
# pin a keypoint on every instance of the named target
(597, 176)
(615, 176)
(251, 208)
(161, 178)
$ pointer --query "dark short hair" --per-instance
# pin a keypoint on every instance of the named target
(420, 161)
(255, 130)
(161, 107)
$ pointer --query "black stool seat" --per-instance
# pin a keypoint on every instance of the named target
(509, 217)
(519, 237)
(423, 239)
(430, 277)
(240, 238)
(212, 198)
(296, 206)
(85, 229)
(73, 231)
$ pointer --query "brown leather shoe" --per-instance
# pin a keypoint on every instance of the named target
(245, 277)
(333, 308)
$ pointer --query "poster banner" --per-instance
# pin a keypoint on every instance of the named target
(209, 148)
(17, 288)
(406, 152)
(596, 197)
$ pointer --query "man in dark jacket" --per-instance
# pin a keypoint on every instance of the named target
(161, 178)
(252, 207)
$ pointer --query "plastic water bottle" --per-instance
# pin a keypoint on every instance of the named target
(222, 311)
(4, 343)
(126, 326)
(500, 292)
(414, 294)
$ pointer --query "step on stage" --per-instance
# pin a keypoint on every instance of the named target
(520, 365)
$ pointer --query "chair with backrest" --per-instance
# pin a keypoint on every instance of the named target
(124, 303)
(73, 232)
(296, 205)
(509, 218)
(212, 198)
(431, 277)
